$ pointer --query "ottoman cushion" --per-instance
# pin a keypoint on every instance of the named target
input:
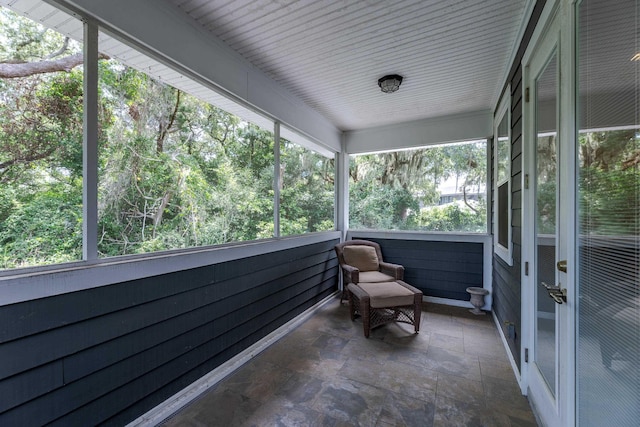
(387, 294)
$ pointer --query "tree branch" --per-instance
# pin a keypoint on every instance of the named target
(466, 202)
(10, 71)
(63, 49)
(4, 166)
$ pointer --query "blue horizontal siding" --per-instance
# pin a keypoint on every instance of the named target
(438, 269)
(109, 354)
(507, 287)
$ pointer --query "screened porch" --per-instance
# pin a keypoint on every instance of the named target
(175, 176)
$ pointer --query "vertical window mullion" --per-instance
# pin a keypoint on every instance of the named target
(90, 143)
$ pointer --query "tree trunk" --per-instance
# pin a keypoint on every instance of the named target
(157, 220)
(164, 130)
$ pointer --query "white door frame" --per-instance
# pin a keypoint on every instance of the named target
(562, 411)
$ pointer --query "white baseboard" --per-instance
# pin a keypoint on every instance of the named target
(185, 396)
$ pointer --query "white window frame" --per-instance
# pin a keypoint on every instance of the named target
(503, 111)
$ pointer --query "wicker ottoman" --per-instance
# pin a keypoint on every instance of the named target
(386, 302)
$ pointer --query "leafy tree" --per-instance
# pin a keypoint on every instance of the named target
(174, 171)
(395, 190)
(43, 227)
(40, 146)
(179, 172)
(306, 191)
(452, 217)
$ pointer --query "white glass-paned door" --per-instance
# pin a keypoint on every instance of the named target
(608, 243)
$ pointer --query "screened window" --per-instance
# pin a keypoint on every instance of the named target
(307, 183)
(502, 179)
(178, 165)
(41, 119)
(439, 188)
(175, 170)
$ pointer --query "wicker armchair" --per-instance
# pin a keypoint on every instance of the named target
(361, 262)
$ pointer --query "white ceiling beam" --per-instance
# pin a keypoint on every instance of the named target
(419, 133)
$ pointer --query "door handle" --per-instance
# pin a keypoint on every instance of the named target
(562, 265)
(558, 294)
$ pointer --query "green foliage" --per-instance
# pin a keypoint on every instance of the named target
(398, 190)
(453, 217)
(307, 191)
(41, 126)
(609, 183)
(177, 172)
(25, 40)
(382, 208)
(43, 227)
(174, 171)
(546, 205)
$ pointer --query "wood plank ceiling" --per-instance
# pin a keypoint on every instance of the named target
(452, 54)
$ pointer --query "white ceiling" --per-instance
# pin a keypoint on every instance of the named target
(452, 54)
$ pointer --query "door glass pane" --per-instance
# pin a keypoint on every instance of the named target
(608, 276)
(546, 160)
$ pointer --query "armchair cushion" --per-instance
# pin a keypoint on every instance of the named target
(364, 258)
(374, 277)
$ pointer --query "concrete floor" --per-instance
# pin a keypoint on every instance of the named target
(455, 372)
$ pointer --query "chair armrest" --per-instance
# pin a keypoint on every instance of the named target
(411, 288)
(358, 292)
(417, 294)
(351, 273)
(395, 270)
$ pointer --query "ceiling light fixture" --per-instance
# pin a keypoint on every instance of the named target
(390, 83)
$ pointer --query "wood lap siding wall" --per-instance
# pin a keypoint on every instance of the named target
(506, 279)
(109, 354)
(438, 269)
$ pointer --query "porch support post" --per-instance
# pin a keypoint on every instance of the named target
(342, 190)
(277, 179)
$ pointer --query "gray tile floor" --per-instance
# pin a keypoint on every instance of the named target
(455, 372)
